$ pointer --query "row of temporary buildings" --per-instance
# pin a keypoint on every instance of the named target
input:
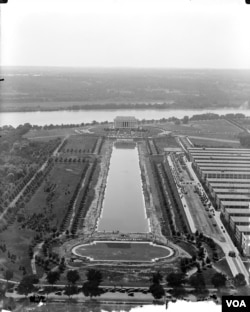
(225, 172)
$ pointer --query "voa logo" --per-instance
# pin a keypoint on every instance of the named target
(236, 303)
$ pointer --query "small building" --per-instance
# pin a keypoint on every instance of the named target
(235, 212)
(240, 230)
(125, 122)
(233, 205)
(245, 244)
(235, 220)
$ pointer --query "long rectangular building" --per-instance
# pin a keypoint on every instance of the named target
(231, 184)
(225, 174)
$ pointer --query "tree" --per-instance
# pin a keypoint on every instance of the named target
(185, 119)
(8, 275)
(218, 280)
(239, 280)
(91, 287)
(73, 276)
(175, 279)
(244, 138)
(26, 285)
(70, 290)
(157, 278)
(197, 281)
(157, 291)
(52, 277)
(94, 275)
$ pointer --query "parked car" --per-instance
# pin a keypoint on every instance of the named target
(232, 254)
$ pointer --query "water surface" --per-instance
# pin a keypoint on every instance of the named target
(123, 206)
(43, 118)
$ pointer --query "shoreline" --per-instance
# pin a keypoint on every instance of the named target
(103, 107)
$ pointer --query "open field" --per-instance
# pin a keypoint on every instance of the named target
(213, 143)
(123, 251)
(17, 242)
(165, 142)
(43, 134)
(78, 144)
(53, 196)
(218, 128)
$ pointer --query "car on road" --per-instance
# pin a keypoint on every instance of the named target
(232, 254)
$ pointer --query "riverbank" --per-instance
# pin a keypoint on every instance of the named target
(42, 118)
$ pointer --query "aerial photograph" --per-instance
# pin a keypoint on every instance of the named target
(124, 155)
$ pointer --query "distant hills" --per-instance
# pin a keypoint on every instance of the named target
(53, 88)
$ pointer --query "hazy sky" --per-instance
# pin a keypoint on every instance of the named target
(126, 33)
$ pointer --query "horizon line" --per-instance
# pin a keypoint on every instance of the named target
(125, 67)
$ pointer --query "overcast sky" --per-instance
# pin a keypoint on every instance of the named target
(126, 33)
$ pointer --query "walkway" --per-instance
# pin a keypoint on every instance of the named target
(183, 200)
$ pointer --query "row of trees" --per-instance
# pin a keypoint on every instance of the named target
(82, 207)
(68, 213)
(91, 286)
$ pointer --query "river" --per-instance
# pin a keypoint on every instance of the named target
(42, 118)
(123, 207)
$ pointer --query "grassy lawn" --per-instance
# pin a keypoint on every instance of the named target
(55, 192)
(80, 143)
(212, 128)
(47, 134)
(207, 275)
(220, 126)
(17, 242)
(189, 248)
(211, 143)
(222, 265)
(164, 142)
(123, 251)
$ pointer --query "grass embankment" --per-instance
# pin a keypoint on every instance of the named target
(218, 128)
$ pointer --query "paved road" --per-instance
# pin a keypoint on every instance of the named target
(184, 202)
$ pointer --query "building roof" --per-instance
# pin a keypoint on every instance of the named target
(224, 161)
(243, 228)
(222, 165)
(231, 191)
(247, 236)
(235, 203)
(225, 169)
(238, 211)
(125, 118)
(227, 181)
(228, 172)
(220, 149)
(220, 157)
(234, 196)
(231, 185)
(240, 219)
